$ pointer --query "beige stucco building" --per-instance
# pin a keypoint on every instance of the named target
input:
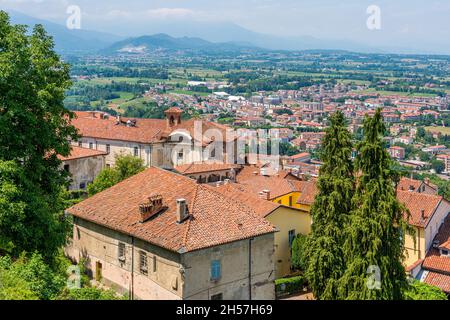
(174, 240)
(162, 143)
(83, 165)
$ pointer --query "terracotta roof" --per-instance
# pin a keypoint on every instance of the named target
(416, 202)
(92, 124)
(255, 183)
(434, 261)
(204, 167)
(406, 183)
(239, 193)
(439, 280)
(308, 192)
(79, 153)
(145, 130)
(215, 219)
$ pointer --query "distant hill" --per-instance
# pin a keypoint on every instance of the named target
(165, 42)
(66, 40)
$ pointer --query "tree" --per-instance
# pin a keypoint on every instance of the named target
(374, 247)
(105, 179)
(33, 277)
(422, 291)
(126, 166)
(34, 128)
(332, 204)
(437, 165)
(299, 259)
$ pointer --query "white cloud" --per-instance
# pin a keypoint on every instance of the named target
(165, 13)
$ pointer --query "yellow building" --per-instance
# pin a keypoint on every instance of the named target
(427, 214)
(289, 222)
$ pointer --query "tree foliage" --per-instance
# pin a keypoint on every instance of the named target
(374, 241)
(126, 166)
(34, 128)
(332, 204)
(298, 259)
(422, 291)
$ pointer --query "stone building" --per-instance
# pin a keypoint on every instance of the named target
(160, 235)
(158, 142)
(83, 165)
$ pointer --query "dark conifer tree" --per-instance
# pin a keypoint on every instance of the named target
(326, 263)
(374, 247)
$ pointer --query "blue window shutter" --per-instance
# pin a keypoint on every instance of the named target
(215, 270)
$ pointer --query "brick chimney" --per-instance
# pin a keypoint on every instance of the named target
(265, 194)
(150, 208)
(182, 210)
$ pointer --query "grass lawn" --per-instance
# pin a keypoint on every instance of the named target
(443, 130)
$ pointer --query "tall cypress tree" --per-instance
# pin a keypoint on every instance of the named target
(325, 263)
(373, 246)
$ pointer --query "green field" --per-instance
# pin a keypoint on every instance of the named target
(443, 130)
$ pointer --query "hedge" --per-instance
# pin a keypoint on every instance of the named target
(289, 285)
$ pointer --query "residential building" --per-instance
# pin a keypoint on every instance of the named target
(427, 213)
(289, 221)
(160, 235)
(436, 265)
(83, 165)
(158, 142)
(397, 152)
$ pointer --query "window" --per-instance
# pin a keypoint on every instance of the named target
(91, 145)
(180, 155)
(108, 148)
(154, 263)
(291, 236)
(290, 201)
(121, 252)
(444, 252)
(143, 262)
(218, 296)
(136, 151)
(67, 168)
(78, 233)
(80, 143)
(82, 186)
(216, 272)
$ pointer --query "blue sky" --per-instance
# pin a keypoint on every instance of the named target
(403, 22)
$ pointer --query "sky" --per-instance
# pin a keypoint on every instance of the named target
(423, 24)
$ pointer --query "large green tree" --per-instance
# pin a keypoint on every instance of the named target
(332, 204)
(374, 247)
(126, 166)
(34, 127)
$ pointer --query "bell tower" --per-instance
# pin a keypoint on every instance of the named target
(173, 116)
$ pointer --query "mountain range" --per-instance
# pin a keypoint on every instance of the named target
(203, 36)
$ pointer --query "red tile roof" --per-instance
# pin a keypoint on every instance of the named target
(240, 193)
(92, 124)
(79, 153)
(255, 183)
(215, 219)
(204, 167)
(308, 192)
(406, 184)
(439, 280)
(416, 203)
(434, 261)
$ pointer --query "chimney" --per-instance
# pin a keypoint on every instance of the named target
(150, 208)
(265, 194)
(119, 119)
(422, 214)
(182, 210)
